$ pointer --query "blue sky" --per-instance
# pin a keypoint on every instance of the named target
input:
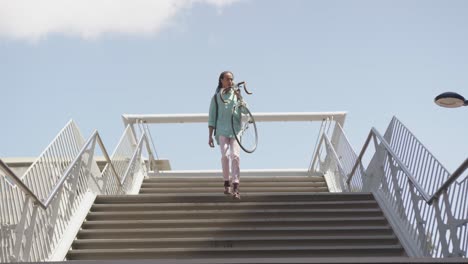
(92, 61)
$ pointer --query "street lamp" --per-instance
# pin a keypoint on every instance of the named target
(450, 100)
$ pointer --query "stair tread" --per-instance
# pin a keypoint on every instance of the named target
(246, 184)
(177, 217)
(291, 260)
(244, 179)
(155, 204)
(258, 194)
(253, 196)
(238, 238)
(202, 229)
(270, 219)
(270, 248)
(245, 189)
(229, 210)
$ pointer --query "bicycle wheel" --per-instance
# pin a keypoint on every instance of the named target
(243, 126)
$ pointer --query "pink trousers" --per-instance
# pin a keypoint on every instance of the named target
(230, 144)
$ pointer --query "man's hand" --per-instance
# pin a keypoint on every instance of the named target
(210, 142)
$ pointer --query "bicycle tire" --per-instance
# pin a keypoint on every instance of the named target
(244, 128)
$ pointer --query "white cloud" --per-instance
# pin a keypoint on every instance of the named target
(34, 19)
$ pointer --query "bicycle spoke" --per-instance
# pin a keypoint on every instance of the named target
(244, 128)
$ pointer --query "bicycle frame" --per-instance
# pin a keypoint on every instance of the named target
(237, 91)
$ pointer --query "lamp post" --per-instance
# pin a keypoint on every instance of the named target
(450, 100)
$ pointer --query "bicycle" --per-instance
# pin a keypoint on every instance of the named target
(242, 121)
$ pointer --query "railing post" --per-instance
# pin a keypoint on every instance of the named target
(20, 230)
(105, 179)
(29, 232)
(375, 170)
(339, 176)
(442, 227)
(317, 146)
(148, 140)
(74, 179)
(359, 158)
(52, 224)
(87, 168)
(453, 224)
(316, 155)
(399, 200)
(6, 233)
(420, 223)
(71, 192)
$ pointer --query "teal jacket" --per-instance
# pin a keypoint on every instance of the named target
(223, 125)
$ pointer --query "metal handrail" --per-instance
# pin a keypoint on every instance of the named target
(330, 145)
(149, 139)
(139, 145)
(19, 183)
(340, 137)
(66, 174)
(375, 133)
(434, 229)
(457, 173)
(335, 155)
(45, 204)
(412, 152)
(429, 199)
(317, 145)
(78, 167)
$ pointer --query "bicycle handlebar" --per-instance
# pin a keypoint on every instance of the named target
(244, 84)
(236, 88)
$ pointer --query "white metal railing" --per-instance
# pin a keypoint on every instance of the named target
(329, 120)
(35, 212)
(144, 129)
(36, 209)
(121, 161)
(335, 158)
(435, 218)
(424, 167)
(259, 117)
(335, 171)
(21, 205)
(324, 130)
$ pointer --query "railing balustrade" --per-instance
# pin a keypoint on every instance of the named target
(36, 209)
(433, 212)
(424, 167)
(429, 204)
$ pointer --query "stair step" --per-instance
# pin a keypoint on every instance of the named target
(286, 260)
(229, 222)
(243, 179)
(244, 190)
(252, 197)
(231, 213)
(231, 205)
(180, 218)
(233, 231)
(237, 252)
(234, 241)
(220, 184)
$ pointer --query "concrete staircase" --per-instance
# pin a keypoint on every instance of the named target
(187, 218)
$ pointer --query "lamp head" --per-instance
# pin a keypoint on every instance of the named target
(450, 100)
